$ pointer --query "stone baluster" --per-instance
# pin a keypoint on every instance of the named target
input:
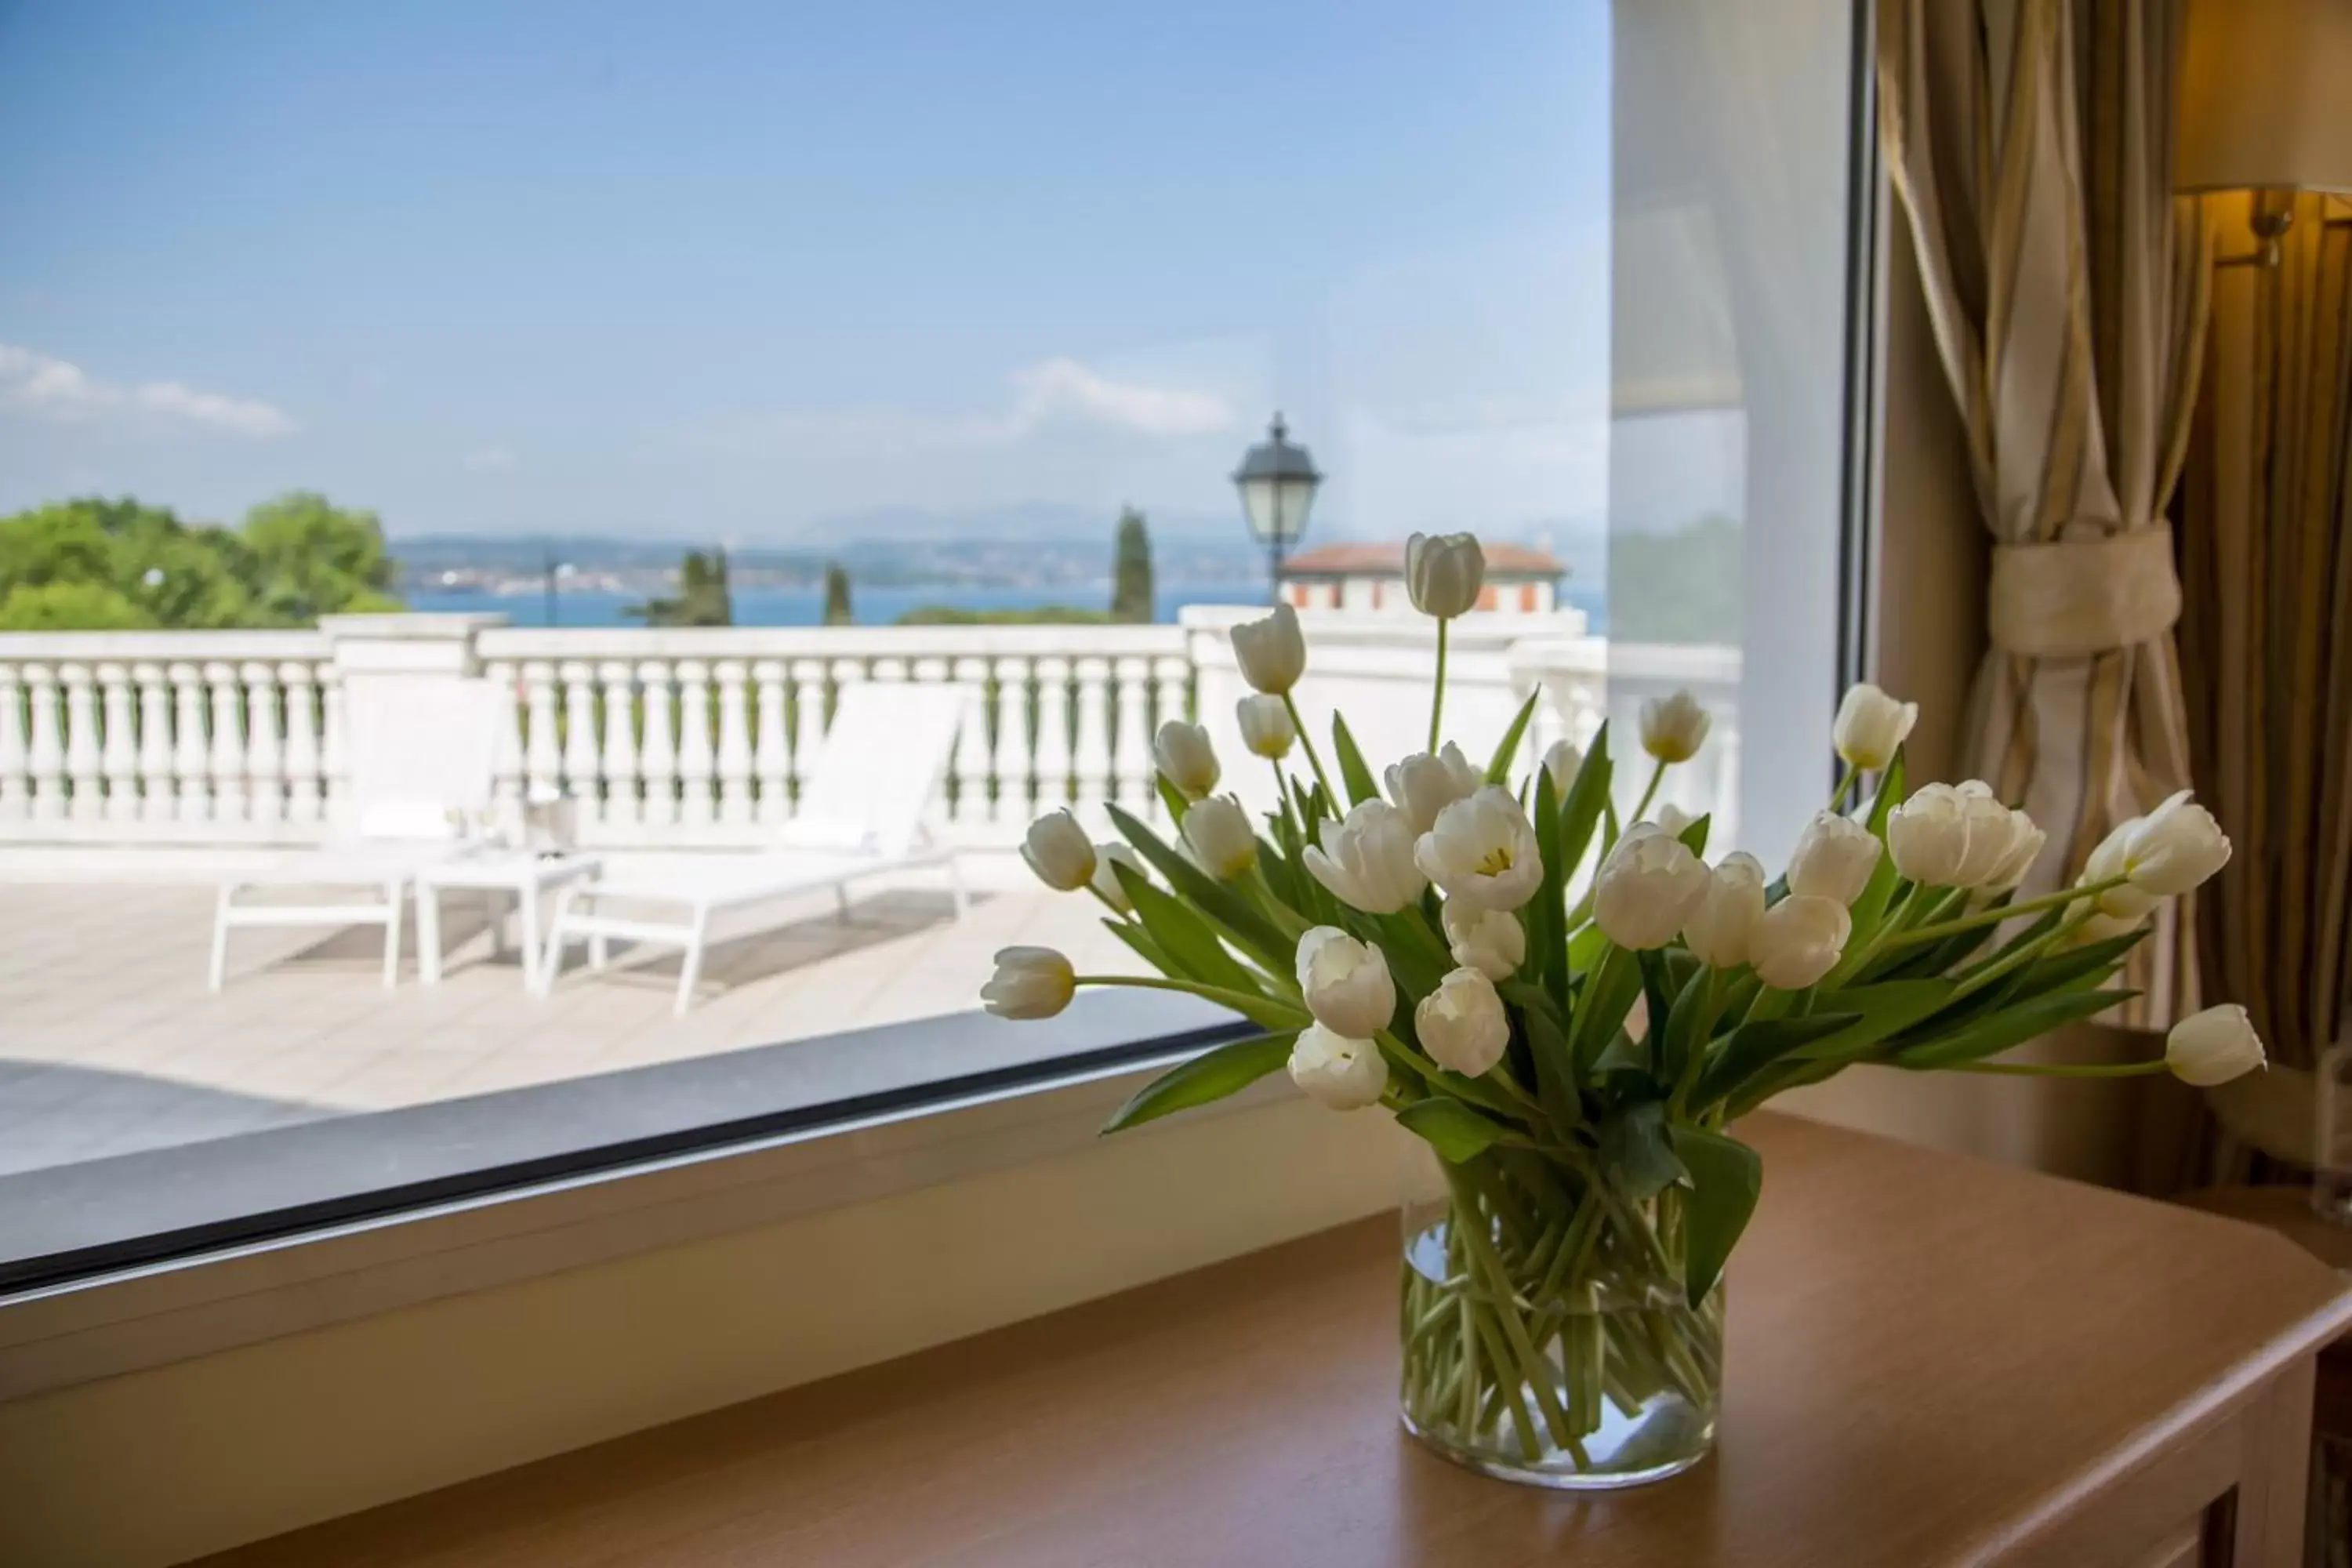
(1171, 698)
(190, 756)
(305, 800)
(1009, 756)
(1132, 741)
(118, 800)
(772, 755)
(623, 804)
(1092, 762)
(265, 763)
(658, 748)
(890, 669)
(85, 799)
(808, 719)
(228, 758)
(969, 765)
(47, 749)
(154, 762)
(582, 775)
(1049, 748)
(506, 746)
(15, 794)
(697, 762)
(334, 748)
(543, 743)
(735, 805)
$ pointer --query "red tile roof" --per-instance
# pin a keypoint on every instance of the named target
(1503, 561)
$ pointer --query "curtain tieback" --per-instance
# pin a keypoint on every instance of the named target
(2079, 596)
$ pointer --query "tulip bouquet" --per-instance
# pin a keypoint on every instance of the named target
(1573, 1008)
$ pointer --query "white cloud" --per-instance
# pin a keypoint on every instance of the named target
(38, 384)
(489, 461)
(1064, 389)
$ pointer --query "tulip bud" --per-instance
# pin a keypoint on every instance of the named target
(1648, 889)
(1799, 941)
(1059, 852)
(1491, 941)
(1483, 851)
(1444, 573)
(1871, 726)
(1834, 857)
(1186, 759)
(1721, 931)
(1367, 859)
(2173, 849)
(2214, 1046)
(1106, 878)
(1673, 727)
(1948, 835)
(1563, 761)
(1346, 982)
(1422, 785)
(1271, 652)
(1218, 833)
(1029, 983)
(1462, 1023)
(1266, 728)
(1338, 1072)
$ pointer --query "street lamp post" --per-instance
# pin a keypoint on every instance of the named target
(1277, 481)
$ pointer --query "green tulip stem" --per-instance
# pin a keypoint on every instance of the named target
(1650, 789)
(2000, 912)
(1241, 1002)
(1307, 742)
(1437, 693)
(1104, 899)
(2022, 954)
(1846, 781)
(2060, 1070)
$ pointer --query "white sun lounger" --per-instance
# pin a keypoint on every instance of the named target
(861, 814)
(365, 880)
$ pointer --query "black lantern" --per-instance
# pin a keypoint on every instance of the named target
(1277, 481)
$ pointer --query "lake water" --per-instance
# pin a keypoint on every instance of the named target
(875, 606)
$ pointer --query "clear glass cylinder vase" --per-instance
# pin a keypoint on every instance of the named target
(1557, 1349)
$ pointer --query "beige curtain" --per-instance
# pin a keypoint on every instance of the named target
(2031, 144)
(2266, 637)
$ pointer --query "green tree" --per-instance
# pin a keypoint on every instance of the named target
(1130, 589)
(837, 612)
(70, 607)
(703, 598)
(312, 558)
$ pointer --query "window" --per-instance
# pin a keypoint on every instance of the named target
(707, 370)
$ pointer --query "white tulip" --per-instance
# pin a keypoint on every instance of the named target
(1833, 859)
(1483, 851)
(1955, 835)
(1994, 834)
(1346, 982)
(1338, 1072)
(1266, 728)
(1106, 878)
(1462, 1023)
(1800, 940)
(1721, 933)
(1648, 889)
(1444, 573)
(2214, 1046)
(1422, 785)
(1491, 941)
(1367, 859)
(1218, 833)
(1271, 652)
(1029, 983)
(1563, 761)
(2166, 853)
(1186, 759)
(1673, 727)
(2025, 842)
(1059, 852)
(1871, 726)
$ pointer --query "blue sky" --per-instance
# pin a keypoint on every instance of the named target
(740, 270)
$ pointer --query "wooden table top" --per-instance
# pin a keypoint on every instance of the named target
(1930, 1358)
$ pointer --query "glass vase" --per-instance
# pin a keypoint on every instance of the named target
(1559, 1348)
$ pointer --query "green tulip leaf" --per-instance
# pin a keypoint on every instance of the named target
(1757, 1045)
(1725, 1177)
(1353, 772)
(2011, 1028)
(1587, 797)
(1498, 770)
(1213, 1074)
(1694, 837)
(1636, 1153)
(1224, 905)
(1458, 1134)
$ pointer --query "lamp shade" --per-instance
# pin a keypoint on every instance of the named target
(2266, 95)
(1278, 480)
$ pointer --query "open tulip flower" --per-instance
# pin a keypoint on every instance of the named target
(1574, 1016)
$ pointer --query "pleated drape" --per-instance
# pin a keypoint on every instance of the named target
(2030, 144)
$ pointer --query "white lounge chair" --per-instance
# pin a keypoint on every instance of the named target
(395, 839)
(861, 814)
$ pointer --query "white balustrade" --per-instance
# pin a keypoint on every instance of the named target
(771, 753)
(48, 749)
(1049, 744)
(85, 791)
(698, 760)
(507, 755)
(306, 791)
(1131, 745)
(736, 803)
(1090, 762)
(264, 762)
(15, 759)
(658, 749)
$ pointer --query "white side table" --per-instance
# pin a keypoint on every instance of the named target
(503, 876)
